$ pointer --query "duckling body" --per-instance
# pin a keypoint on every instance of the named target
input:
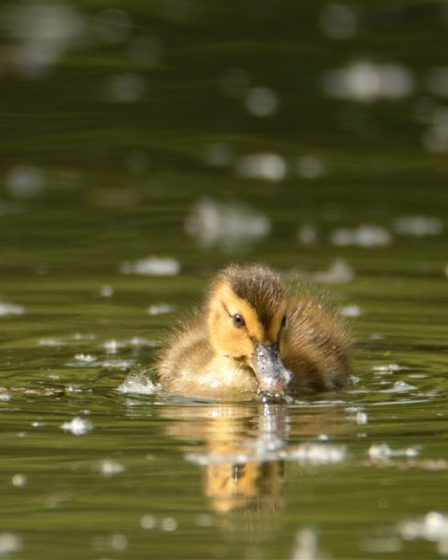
(253, 335)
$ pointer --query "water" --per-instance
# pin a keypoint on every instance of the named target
(145, 147)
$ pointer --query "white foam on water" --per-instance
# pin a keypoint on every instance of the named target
(109, 467)
(138, 384)
(380, 452)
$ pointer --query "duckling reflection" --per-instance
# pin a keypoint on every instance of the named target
(245, 449)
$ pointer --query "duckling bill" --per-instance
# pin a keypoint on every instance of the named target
(253, 335)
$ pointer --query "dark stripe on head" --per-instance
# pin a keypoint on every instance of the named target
(259, 286)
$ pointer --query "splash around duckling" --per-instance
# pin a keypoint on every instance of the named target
(253, 334)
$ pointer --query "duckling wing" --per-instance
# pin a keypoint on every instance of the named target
(315, 346)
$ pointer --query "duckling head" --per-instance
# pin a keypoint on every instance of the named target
(246, 313)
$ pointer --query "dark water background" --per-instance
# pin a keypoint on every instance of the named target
(309, 135)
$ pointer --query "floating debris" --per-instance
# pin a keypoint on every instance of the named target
(218, 154)
(433, 527)
(340, 272)
(338, 21)
(41, 34)
(106, 291)
(382, 452)
(230, 226)
(4, 395)
(400, 387)
(160, 309)
(350, 311)
(8, 309)
(168, 524)
(306, 546)
(388, 368)
(138, 384)
(78, 426)
(152, 266)
(418, 226)
(9, 543)
(25, 181)
(108, 467)
(19, 480)
(366, 81)
(366, 235)
(128, 87)
(307, 234)
(267, 166)
(51, 342)
(310, 167)
(261, 102)
(148, 522)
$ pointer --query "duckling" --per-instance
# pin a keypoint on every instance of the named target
(253, 335)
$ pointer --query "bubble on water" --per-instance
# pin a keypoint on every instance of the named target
(118, 542)
(307, 234)
(205, 520)
(261, 102)
(234, 82)
(264, 165)
(148, 522)
(350, 311)
(19, 480)
(310, 167)
(128, 87)
(106, 291)
(9, 544)
(168, 524)
(338, 21)
(218, 154)
(42, 33)
(138, 384)
(418, 226)
(25, 181)
(77, 426)
(366, 235)
(231, 226)
(112, 26)
(109, 467)
(152, 266)
(366, 81)
(160, 309)
(10, 309)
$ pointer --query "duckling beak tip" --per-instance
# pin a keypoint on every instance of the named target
(272, 375)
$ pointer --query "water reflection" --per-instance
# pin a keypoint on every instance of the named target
(245, 449)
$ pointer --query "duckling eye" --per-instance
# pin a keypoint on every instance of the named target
(238, 320)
